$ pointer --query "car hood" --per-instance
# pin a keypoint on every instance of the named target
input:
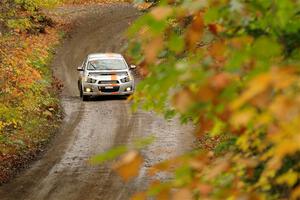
(108, 74)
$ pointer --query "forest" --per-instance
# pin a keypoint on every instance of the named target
(229, 67)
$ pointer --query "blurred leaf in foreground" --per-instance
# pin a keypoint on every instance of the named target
(129, 165)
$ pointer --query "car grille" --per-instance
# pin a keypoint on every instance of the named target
(107, 73)
(109, 82)
(113, 89)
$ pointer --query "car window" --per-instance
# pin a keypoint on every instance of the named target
(84, 63)
(107, 64)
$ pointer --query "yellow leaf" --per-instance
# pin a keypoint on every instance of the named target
(143, 6)
(256, 86)
(242, 118)
(289, 178)
(283, 108)
(286, 147)
(283, 77)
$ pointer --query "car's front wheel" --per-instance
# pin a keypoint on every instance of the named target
(82, 96)
(80, 92)
(80, 89)
(85, 98)
(126, 96)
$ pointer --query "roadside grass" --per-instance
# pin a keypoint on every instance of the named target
(29, 106)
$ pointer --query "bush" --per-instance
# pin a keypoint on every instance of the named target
(25, 15)
(21, 24)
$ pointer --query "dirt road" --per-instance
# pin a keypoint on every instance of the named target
(92, 127)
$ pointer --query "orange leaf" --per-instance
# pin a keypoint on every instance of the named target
(256, 86)
(181, 194)
(195, 31)
(206, 93)
(296, 193)
(283, 108)
(220, 80)
(163, 195)
(215, 28)
(129, 165)
(241, 118)
(160, 13)
(205, 125)
(183, 100)
(139, 196)
(152, 48)
(205, 189)
(217, 51)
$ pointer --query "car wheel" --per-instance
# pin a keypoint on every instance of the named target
(126, 96)
(80, 92)
(85, 98)
(82, 96)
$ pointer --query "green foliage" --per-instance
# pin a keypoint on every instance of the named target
(33, 5)
(109, 155)
(116, 152)
(225, 145)
(22, 24)
(29, 106)
(25, 15)
(231, 67)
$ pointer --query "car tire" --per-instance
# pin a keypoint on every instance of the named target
(126, 96)
(82, 96)
(80, 93)
(85, 98)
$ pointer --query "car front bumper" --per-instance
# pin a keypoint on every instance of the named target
(94, 89)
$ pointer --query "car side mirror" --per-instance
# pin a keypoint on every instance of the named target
(79, 68)
(132, 66)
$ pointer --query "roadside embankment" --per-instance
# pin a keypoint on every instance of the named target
(29, 105)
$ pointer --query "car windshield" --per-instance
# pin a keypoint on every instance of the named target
(106, 64)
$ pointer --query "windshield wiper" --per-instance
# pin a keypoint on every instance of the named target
(93, 66)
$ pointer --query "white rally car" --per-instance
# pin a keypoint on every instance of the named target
(105, 74)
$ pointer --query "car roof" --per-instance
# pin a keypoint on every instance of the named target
(104, 56)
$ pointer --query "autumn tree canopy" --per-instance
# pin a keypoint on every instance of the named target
(232, 68)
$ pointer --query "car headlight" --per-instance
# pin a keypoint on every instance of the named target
(130, 77)
(125, 79)
(91, 80)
